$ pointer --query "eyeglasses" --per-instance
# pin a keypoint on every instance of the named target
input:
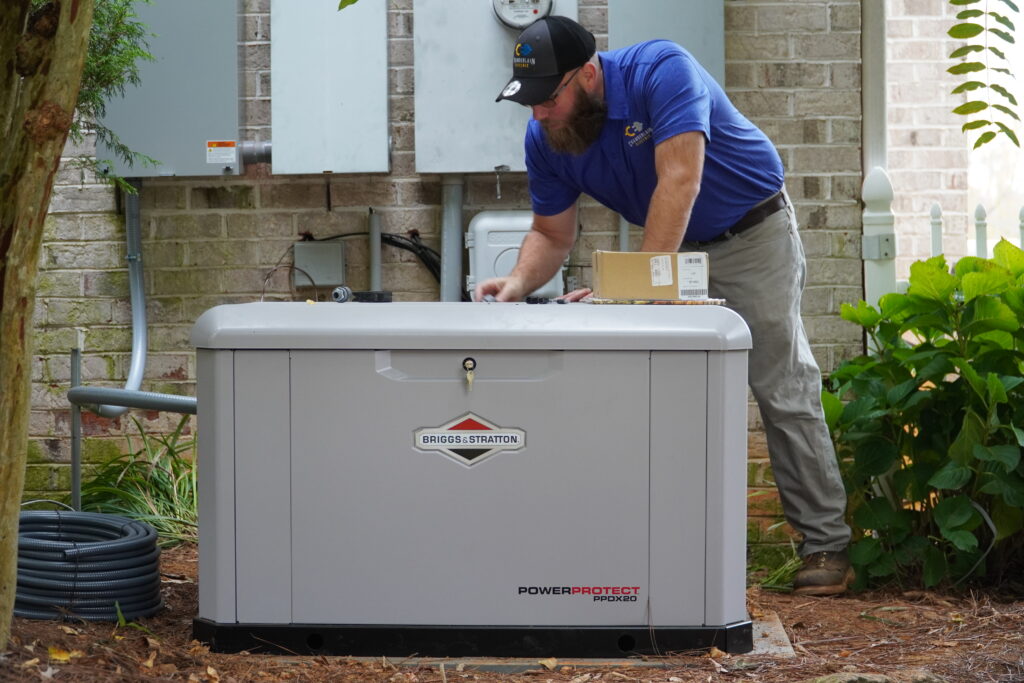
(550, 102)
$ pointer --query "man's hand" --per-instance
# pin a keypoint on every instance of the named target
(508, 288)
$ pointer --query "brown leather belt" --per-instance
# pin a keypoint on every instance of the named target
(777, 202)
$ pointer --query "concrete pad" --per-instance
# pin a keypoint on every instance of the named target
(770, 640)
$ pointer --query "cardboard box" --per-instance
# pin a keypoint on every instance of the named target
(646, 275)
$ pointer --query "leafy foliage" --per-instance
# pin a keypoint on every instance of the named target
(117, 43)
(928, 433)
(980, 29)
(155, 484)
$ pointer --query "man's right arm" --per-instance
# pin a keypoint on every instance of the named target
(541, 254)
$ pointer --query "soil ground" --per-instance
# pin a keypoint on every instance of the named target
(899, 637)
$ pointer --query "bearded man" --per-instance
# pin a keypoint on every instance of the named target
(646, 131)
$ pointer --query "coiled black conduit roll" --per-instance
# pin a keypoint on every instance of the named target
(86, 565)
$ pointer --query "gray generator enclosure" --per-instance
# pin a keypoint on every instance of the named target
(582, 492)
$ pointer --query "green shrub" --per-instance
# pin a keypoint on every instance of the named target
(155, 484)
(927, 428)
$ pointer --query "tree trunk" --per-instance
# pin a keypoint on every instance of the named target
(41, 58)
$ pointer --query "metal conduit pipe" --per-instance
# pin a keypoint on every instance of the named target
(375, 267)
(451, 238)
(94, 398)
(133, 230)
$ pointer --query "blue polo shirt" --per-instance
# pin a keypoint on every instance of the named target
(656, 90)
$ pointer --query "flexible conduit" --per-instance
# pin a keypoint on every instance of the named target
(85, 565)
(133, 232)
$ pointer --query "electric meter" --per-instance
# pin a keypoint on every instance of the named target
(519, 14)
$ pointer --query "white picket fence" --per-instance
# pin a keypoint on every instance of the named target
(879, 239)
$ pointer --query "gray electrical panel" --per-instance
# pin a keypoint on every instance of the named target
(329, 69)
(697, 25)
(463, 59)
(184, 113)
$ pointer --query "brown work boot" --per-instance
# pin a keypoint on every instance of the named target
(824, 573)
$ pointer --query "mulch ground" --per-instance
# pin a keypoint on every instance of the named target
(900, 637)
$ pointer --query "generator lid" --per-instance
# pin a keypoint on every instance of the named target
(438, 325)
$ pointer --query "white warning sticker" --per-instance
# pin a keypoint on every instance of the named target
(661, 270)
(221, 152)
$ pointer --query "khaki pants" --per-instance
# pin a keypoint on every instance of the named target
(760, 273)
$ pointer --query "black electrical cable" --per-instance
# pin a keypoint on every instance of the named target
(86, 565)
(427, 255)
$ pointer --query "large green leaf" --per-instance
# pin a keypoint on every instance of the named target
(1009, 3)
(971, 432)
(963, 540)
(965, 30)
(992, 281)
(986, 313)
(1008, 486)
(895, 396)
(1009, 256)
(1007, 518)
(875, 456)
(892, 304)
(951, 477)
(863, 314)
(864, 408)
(954, 512)
(1019, 433)
(832, 407)
(966, 371)
(927, 281)
(865, 551)
(1006, 455)
(970, 14)
(878, 514)
(996, 389)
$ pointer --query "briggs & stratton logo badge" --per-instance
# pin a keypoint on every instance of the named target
(469, 439)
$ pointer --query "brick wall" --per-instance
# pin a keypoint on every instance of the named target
(793, 68)
(927, 152)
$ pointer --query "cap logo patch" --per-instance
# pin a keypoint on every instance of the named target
(511, 89)
(523, 50)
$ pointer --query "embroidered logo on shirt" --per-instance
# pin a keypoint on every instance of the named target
(637, 133)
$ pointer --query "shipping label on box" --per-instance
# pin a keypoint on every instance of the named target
(638, 275)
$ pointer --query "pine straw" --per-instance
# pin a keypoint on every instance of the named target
(960, 638)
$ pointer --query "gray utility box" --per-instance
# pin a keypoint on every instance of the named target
(583, 496)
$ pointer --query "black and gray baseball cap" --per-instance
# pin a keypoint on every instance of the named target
(544, 52)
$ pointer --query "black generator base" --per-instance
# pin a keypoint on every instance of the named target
(471, 641)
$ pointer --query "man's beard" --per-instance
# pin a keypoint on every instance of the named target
(581, 129)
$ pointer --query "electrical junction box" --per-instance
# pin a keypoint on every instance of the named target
(318, 263)
(493, 240)
(583, 494)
